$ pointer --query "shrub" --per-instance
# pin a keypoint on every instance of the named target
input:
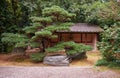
(114, 64)
(70, 47)
(102, 62)
(109, 45)
(111, 64)
(37, 57)
(73, 50)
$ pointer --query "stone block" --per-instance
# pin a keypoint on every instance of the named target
(59, 60)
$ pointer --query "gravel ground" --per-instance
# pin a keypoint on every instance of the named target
(56, 72)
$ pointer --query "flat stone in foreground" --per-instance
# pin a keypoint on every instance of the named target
(58, 60)
(55, 72)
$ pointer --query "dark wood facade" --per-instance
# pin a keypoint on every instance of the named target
(85, 38)
(79, 33)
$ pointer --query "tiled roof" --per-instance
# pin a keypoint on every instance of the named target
(84, 27)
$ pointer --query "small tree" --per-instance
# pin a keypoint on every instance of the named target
(43, 28)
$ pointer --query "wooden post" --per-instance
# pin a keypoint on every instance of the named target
(95, 43)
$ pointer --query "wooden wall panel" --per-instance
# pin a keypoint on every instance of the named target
(89, 38)
(76, 37)
(65, 37)
(85, 38)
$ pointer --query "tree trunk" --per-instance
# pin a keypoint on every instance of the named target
(43, 45)
(14, 11)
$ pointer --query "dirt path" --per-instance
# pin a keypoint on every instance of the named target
(77, 69)
(55, 72)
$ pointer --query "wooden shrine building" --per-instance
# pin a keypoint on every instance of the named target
(80, 33)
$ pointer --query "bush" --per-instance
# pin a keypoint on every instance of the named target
(109, 45)
(111, 64)
(70, 47)
(102, 62)
(37, 57)
(114, 64)
(74, 50)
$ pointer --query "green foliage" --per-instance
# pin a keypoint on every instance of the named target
(33, 28)
(103, 13)
(43, 33)
(51, 28)
(37, 57)
(111, 64)
(17, 40)
(42, 28)
(34, 44)
(92, 11)
(59, 26)
(72, 47)
(48, 26)
(114, 64)
(58, 14)
(109, 46)
(76, 48)
(13, 17)
(102, 62)
(110, 11)
(54, 49)
(76, 7)
(41, 19)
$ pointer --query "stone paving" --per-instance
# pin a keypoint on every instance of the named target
(56, 72)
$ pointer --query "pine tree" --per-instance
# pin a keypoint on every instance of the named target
(43, 28)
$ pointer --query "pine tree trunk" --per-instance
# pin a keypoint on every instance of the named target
(43, 45)
(14, 11)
